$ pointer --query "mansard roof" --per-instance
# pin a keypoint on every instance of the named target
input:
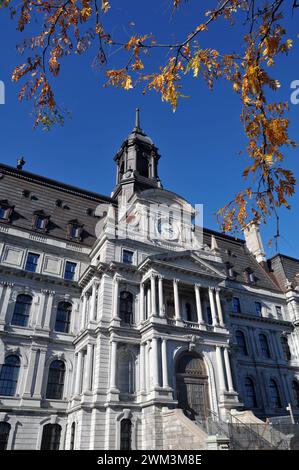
(234, 251)
(285, 269)
(31, 194)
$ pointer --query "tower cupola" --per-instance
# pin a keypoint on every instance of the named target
(137, 161)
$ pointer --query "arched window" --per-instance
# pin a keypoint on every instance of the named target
(51, 437)
(264, 346)
(296, 392)
(274, 395)
(126, 372)
(56, 380)
(63, 317)
(286, 348)
(126, 307)
(241, 341)
(188, 312)
(9, 376)
(125, 434)
(4, 434)
(73, 433)
(22, 310)
(250, 395)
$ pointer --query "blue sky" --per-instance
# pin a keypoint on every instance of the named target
(199, 144)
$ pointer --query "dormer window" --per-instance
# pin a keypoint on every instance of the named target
(249, 276)
(40, 221)
(229, 270)
(74, 230)
(5, 211)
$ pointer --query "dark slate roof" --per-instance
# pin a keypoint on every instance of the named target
(285, 269)
(234, 252)
(42, 196)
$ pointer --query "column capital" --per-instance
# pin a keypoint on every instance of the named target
(176, 281)
(197, 286)
(7, 284)
(160, 277)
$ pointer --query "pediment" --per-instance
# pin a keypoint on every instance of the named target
(186, 261)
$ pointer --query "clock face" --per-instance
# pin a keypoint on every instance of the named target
(167, 230)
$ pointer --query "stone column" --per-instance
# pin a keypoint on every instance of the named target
(212, 305)
(116, 299)
(88, 368)
(7, 293)
(148, 302)
(164, 364)
(113, 366)
(93, 302)
(153, 296)
(176, 300)
(141, 303)
(47, 322)
(40, 373)
(79, 373)
(161, 298)
(219, 307)
(142, 367)
(228, 371)
(220, 369)
(155, 363)
(83, 312)
(198, 305)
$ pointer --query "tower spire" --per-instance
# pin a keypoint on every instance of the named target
(137, 119)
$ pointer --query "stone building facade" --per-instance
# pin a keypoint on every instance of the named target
(124, 325)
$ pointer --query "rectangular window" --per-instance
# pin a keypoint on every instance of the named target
(3, 213)
(128, 256)
(279, 312)
(74, 231)
(258, 308)
(40, 222)
(236, 305)
(70, 269)
(32, 262)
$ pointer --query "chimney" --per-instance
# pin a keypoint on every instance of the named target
(254, 242)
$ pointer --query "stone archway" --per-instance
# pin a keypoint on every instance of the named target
(192, 386)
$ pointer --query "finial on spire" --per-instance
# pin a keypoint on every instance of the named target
(137, 119)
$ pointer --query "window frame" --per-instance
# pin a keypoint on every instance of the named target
(66, 322)
(262, 348)
(51, 441)
(131, 252)
(243, 349)
(252, 396)
(56, 381)
(124, 313)
(9, 376)
(37, 264)
(69, 262)
(4, 435)
(125, 441)
(274, 386)
(25, 314)
(258, 307)
(236, 306)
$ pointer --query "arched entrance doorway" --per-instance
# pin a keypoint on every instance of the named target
(192, 386)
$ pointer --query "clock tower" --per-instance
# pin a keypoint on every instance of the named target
(136, 163)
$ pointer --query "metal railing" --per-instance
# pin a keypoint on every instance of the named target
(251, 436)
